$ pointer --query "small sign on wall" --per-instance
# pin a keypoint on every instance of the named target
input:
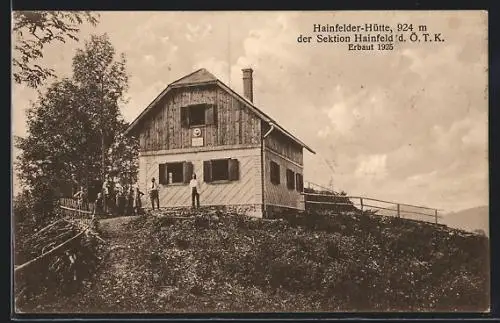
(196, 142)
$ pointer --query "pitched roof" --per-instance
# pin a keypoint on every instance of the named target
(202, 76)
(199, 76)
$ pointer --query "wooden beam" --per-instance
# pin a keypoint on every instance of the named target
(284, 157)
(197, 149)
(26, 264)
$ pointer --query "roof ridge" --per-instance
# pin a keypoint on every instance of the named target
(188, 75)
(198, 76)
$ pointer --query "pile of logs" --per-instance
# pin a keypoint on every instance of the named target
(61, 255)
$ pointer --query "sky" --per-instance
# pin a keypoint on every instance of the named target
(408, 125)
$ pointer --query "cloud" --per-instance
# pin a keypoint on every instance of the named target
(197, 32)
(373, 166)
(324, 132)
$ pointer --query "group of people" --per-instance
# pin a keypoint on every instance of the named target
(114, 199)
(125, 200)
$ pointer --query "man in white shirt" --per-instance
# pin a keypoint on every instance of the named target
(153, 193)
(195, 191)
(105, 194)
(80, 196)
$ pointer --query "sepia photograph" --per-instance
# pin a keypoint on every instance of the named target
(250, 162)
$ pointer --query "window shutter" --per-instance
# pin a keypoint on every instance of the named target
(211, 114)
(290, 179)
(275, 173)
(234, 169)
(207, 171)
(162, 174)
(300, 184)
(185, 117)
(187, 171)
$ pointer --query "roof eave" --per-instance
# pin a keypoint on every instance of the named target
(146, 111)
(174, 86)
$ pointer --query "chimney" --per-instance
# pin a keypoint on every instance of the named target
(248, 83)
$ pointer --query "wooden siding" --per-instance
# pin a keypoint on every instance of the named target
(283, 145)
(280, 195)
(245, 191)
(162, 129)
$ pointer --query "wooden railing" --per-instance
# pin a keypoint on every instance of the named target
(71, 208)
(316, 187)
(388, 208)
(71, 203)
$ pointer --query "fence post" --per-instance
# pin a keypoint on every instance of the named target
(361, 202)
(436, 215)
(399, 211)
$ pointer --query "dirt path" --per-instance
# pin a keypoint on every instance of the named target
(115, 227)
(124, 269)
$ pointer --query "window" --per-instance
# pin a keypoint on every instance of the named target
(290, 179)
(299, 182)
(220, 170)
(172, 173)
(198, 115)
(275, 173)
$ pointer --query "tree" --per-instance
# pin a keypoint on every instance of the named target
(76, 122)
(33, 30)
(105, 80)
(122, 158)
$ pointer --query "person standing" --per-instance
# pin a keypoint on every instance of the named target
(195, 191)
(130, 201)
(98, 205)
(120, 202)
(105, 194)
(80, 198)
(112, 195)
(137, 201)
(153, 193)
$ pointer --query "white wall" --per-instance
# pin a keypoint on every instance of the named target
(247, 190)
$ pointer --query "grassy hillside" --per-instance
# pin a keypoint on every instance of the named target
(319, 263)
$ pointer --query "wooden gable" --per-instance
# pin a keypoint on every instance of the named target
(239, 121)
(227, 121)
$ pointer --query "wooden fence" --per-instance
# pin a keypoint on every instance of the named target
(327, 197)
(70, 207)
(316, 187)
(71, 203)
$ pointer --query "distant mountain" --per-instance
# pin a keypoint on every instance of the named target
(476, 218)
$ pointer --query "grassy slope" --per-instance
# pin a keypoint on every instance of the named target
(335, 263)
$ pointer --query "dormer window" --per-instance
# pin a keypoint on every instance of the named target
(198, 115)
